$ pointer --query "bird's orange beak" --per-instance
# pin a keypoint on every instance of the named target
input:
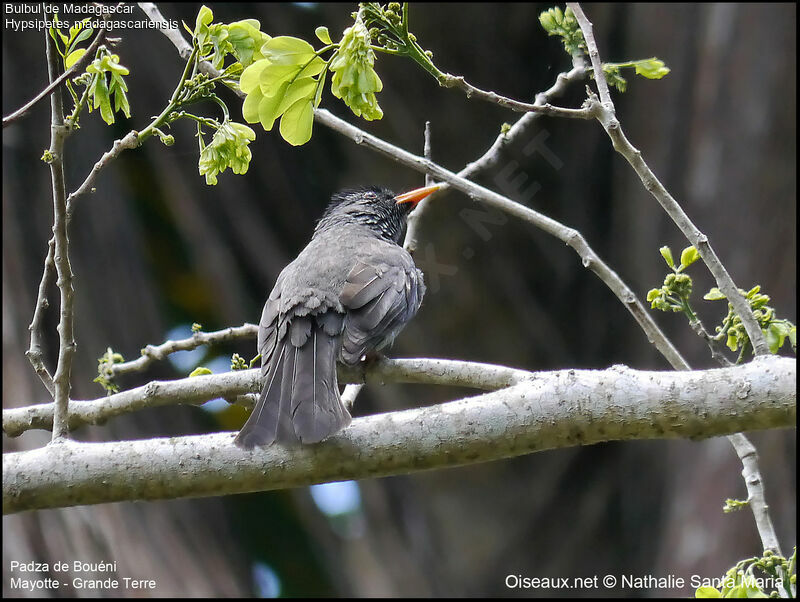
(415, 196)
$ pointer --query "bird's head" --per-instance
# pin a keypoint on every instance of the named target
(374, 207)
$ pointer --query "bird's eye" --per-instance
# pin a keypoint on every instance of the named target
(370, 195)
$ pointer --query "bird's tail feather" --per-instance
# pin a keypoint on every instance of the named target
(300, 401)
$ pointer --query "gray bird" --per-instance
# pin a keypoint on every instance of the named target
(349, 292)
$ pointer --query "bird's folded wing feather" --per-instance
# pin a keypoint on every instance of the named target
(379, 299)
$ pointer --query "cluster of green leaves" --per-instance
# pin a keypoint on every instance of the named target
(103, 78)
(100, 90)
(214, 42)
(741, 580)
(388, 30)
(105, 372)
(564, 24)
(228, 148)
(354, 79)
(238, 362)
(286, 83)
(776, 330)
(674, 296)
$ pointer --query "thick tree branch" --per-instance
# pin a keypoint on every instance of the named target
(557, 410)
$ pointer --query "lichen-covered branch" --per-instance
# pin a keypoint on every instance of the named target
(549, 411)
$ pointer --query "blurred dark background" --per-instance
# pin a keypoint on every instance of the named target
(155, 249)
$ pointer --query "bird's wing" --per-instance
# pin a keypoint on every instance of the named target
(268, 327)
(379, 299)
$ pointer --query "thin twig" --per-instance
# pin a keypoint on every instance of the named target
(129, 141)
(76, 68)
(594, 54)
(154, 353)
(492, 155)
(452, 81)
(714, 344)
(35, 353)
(350, 393)
(415, 218)
(66, 339)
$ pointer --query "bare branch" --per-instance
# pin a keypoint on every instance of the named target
(452, 81)
(415, 218)
(492, 155)
(130, 140)
(35, 353)
(594, 54)
(557, 410)
(755, 490)
(66, 347)
(153, 353)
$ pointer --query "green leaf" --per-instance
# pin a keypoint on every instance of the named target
(111, 63)
(297, 122)
(666, 253)
(688, 256)
(204, 18)
(250, 110)
(774, 337)
(246, 39)
(102, 100)
(275, 76)
(200, 371)
(268, 107)
(286, 50)
(83, 35)
(251, 76)
(299, 89)
(707, 592)
(714, 295)
(651, 68)
(323, 35)
(74, 57)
